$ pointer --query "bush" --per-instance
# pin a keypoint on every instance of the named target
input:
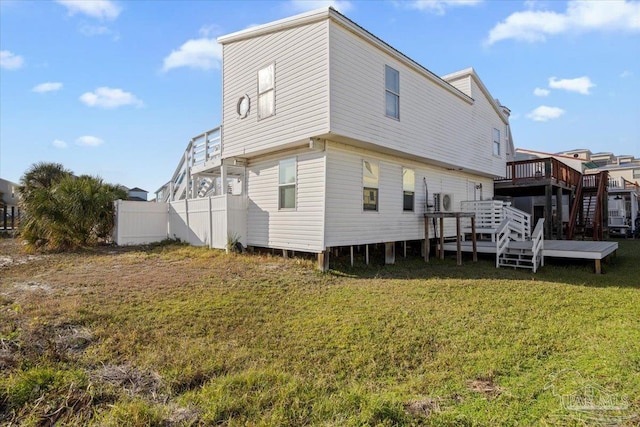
(62, 211)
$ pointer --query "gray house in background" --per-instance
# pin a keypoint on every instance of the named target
(9, 210)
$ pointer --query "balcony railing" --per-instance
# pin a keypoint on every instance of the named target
(529, 171)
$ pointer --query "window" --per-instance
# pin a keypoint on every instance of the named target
(496, 142)
(370, 186)
(408, 188)
(636, 173)
(287, 184)
(266, 92)
(392, 92)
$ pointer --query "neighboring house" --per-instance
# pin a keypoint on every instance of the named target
(623, 188)
(338, 139)
(543, 185)
(9, 210)
(137, 194)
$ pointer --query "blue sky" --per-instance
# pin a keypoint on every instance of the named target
(117, 88)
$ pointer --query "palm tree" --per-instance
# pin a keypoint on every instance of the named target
(63, 211)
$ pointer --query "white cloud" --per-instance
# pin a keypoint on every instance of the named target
(10, 61)
(204, 53)
(106, 97)
(47, 87)
(101, 9)
(58, 143)
(580, 84)
(544, 113)
(625, 74)
(438, 6)
(537, 25)
(307, 5)
(89, 141)
(541, 92)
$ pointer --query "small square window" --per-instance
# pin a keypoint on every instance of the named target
(392, 92)
(266, 92)
(370, 186)
(408, 189)
(287, 184)
(496, 142)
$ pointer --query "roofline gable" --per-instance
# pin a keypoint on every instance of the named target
(340, 19)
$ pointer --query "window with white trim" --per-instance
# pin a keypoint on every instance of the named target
(408, 189)
(370, 174)
(287, 184)
(266, 92)
(392, 92)
(496, 142)
(636, 173)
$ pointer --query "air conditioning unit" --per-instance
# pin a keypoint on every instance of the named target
(443, 202)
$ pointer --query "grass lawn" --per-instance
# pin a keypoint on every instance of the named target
(175, 335)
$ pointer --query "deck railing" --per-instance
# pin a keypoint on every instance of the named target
(200, 149)
(535, 169)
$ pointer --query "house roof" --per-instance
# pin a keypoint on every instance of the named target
(138, 189)
(330, 13)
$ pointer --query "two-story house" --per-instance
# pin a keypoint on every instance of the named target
(339, 139)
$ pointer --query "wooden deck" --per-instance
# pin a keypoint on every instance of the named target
(596, 251)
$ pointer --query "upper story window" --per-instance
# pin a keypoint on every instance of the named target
(266, 92)
(287, 184)
(392, 92)
(636, 173)
(496, 142)
(408, 189)
(370, 174)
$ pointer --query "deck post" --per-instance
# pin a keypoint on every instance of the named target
(390, 253)
(404, 247)
(426, 239)
(441, 237)
(548, 212)
(351, 252)
(458, 247)
(366, 254)
(598, 266)
(4, 216)
(323, 261)
(473, 239)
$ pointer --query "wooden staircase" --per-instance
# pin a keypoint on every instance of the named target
(516, 253)
(589, 211)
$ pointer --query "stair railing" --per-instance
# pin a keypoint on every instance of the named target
(502, 239)
(537, 241)
(519, 223)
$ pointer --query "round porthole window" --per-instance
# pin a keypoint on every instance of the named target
(243, 106)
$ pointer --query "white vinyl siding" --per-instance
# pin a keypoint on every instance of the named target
(438, 125)
(301, 228)
(301, 56)
(347, 224)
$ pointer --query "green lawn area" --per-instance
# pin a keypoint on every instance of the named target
(175, 335)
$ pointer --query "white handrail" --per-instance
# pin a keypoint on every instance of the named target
(520, 223)
(537, 240)
(502, 239)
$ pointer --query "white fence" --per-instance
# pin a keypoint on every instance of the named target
(199, 222)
